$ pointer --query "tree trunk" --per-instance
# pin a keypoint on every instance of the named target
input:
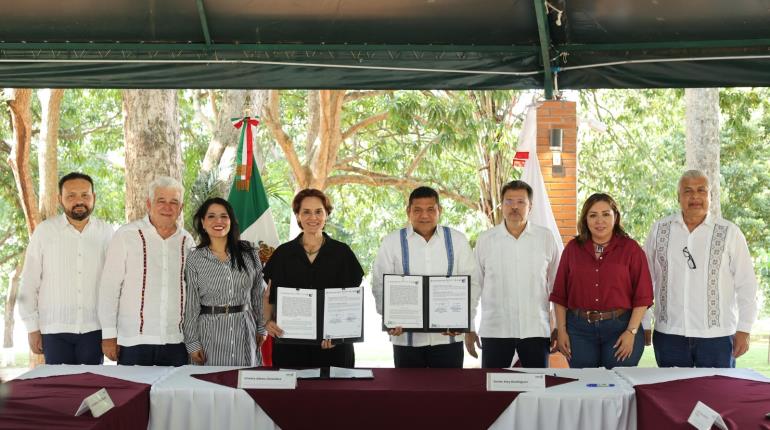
(10, 304)
(224, 134)
(151, 130)
(21, 117)
(324, 156)
(702, 144)
(48, 171)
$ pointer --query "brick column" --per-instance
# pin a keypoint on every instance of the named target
(562, 189)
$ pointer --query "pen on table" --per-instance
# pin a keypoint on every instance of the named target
(599, 385)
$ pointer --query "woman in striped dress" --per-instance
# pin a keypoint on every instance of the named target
(223, 309)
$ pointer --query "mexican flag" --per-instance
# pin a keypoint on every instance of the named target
(251, 206)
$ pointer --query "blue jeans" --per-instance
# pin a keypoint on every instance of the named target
(592, 343)
(678, 351)
(73, 348)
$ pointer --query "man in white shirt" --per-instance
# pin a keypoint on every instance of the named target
(425, 248)
(141, 301)
(518, 262)
(705, 286)
(58, 294)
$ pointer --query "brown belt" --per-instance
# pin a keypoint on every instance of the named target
(593, 316)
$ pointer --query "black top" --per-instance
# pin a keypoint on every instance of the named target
(335, 266)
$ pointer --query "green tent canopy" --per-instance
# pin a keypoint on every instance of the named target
(378, 44)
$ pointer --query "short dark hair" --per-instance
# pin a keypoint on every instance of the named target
(75, 175)
(516, 185)
(584, 234)
(310, 192)
(423, 193)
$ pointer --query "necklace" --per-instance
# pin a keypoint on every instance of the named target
(600, 246)
(314, 251)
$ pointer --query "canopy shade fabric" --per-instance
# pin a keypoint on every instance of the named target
(378, 44)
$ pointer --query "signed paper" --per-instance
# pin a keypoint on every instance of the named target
(296, 312)
(402, 301)
(448, 302)
(343, 313)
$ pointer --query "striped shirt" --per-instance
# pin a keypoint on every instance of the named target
(226, 339)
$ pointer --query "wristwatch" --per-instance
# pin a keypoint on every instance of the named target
(633, 330)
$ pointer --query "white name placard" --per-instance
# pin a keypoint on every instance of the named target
(703, 417)
(515, 381)
(267, 379)
(98, 403)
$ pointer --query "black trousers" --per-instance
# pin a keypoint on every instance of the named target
(437, 356)
(73, 348)
(170, 354)
(294, 355)
(497, 352)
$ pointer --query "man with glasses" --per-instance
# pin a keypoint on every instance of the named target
(518, 262)
(705, 287)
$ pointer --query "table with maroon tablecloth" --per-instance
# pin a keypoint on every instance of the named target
(665, 397)
(416, 398)
(742, 403)
(51, 402)
(596, 398)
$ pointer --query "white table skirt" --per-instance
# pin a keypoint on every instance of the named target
(573, 405)
(180, 401)
(140, 374)
(642, 375)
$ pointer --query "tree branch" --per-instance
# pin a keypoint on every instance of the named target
(200, 115)
(367, 177)
(72, 134)
(272, 119)
(6, 235)
(357, 95)
(363, 124)
(420, 155)
(11, 256)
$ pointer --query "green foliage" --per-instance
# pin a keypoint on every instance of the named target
(745, 197)
(91, 141)
(639, 157)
